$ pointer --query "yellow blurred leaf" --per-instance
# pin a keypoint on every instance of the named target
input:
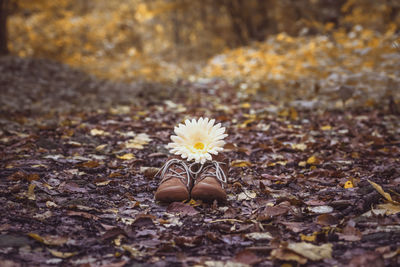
(312, 160)
(326, 128)
(309, 238)
(390, 208)
(348, 184)
(241, 163)
(101, 147)
(96, 132)
(31, 192)
(245, 105)
(312, 252)
(300, 146)
(302, 163)
(127, 156)
(383, 193)
(62, 255)
(103, 183)
(49, 240)
(139, 141)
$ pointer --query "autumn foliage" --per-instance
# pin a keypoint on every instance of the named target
(161, 40)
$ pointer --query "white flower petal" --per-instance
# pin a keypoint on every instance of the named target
(193, 132)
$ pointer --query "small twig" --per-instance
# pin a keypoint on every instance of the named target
(227, 220)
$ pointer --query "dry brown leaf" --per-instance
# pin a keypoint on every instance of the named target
(287, 255)
(390, 208)
(382, 192)
(241, 163)
(60, 254)
(49, 239)
(312, 252)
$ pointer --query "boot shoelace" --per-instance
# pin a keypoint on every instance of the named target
(181, 175)
(204, 169)
(188, 170)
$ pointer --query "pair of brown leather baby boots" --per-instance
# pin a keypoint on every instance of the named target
(182, 180)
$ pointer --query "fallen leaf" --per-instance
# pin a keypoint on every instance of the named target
(309, 238)
(259, 236)
(241, 163)
(135, 253)
(350, 233)
(246, 195)
(247, 257)
(327, 219)
(51, 204)
(326, 128)
(390, 208)
(287, 255)
(182, 208)
(127, 156)
(31, 192)
(302, 163)
(103, 183)
(62, 255)
(101, 147)
(270, 212)
(300, 146)
(89, 164)
(82, 214)
(321, 209)
(382, 192)
(139, 141)
(348, 184)
(312, 160)
(49, 239)
(312, 252)
(369, 258)
(97, 132)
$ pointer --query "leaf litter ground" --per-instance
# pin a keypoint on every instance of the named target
(307, 186)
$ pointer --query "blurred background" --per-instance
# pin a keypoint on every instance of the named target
(340, 46)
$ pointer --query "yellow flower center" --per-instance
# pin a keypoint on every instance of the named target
(199, 146)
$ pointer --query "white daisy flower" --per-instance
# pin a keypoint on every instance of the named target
(198, 140)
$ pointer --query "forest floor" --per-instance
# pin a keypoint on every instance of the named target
(307, 184)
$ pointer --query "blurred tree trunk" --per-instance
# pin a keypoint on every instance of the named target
(249, 19)
(3, 27)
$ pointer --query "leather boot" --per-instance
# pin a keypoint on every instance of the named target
(210, 182)
(176, 181)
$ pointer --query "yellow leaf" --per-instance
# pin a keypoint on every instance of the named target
(309, 238)
(312, 160)
(348, 184)
(246, 122)
(300, 146)
(383, 193)
(245, 105)
(36, 237)
(101, 147)
(127, 156)
(312, 252)
(241, 163)
(293, 114)
(138, 142)
(96, 132)
(302, 163)
(390, 208)
(49, 240)
(31, 192)
(62, 255)
(103, 183)
(282, 162)
(326, 128)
